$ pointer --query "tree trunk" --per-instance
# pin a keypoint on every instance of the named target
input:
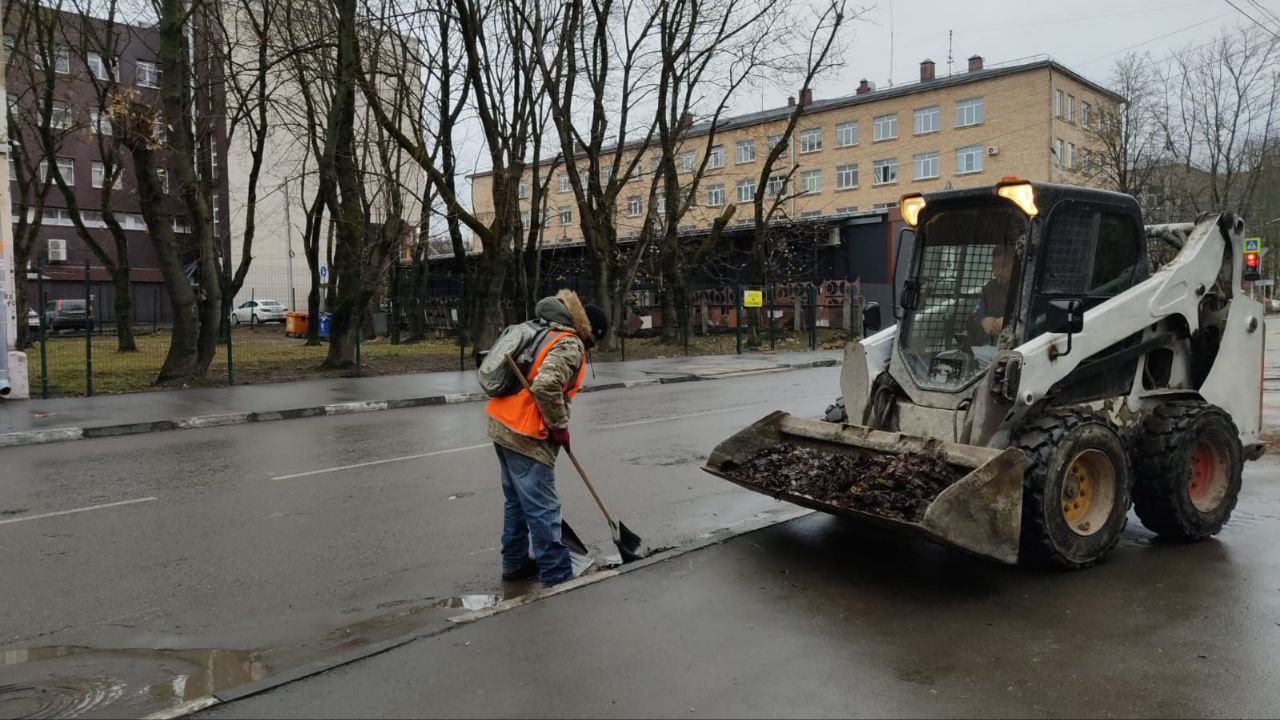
(123, 309)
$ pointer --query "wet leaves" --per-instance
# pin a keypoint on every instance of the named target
(892, 486)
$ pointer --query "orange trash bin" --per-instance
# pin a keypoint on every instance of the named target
(295, 324)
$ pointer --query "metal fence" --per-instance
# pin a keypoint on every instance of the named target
(411, 324)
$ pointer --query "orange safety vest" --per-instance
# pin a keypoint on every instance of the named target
(519, 412)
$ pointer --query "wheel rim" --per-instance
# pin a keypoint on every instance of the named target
(1088, 492)
(1207, 477)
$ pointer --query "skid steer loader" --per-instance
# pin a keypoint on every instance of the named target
(1065, 360)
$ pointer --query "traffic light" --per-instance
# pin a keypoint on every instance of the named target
(1251, 269)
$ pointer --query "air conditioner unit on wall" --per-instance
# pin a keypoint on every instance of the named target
(57, 250)
(993, 150)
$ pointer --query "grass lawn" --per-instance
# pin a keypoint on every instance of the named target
(263, 354)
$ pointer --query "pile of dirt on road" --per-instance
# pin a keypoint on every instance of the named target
(893, 486)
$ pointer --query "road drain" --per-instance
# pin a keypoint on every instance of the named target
(70, 681)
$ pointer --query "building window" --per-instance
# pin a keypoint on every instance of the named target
(969, 112)
(925, 165)
(522, 190)
(746, 191)
(884, 205)
(849, 210)
(524, 218)
(100, 123)
(969, 160)
(884, 172)
(96, 65)
(160, 131)
(715, 156)
(655, 163)
(811, 140)
(1071, 156)
(847, 134)
(635, 206)
(776, 186)
(562, 182)
(1085, 118)
(811, 182)
(810, 213)
(566, 215)
(60, 116)
(163, 175)
(1071, 108)
(686, 197)
(660, 202)
(100, 176)
(746, 151)
(148, 74)
(1057, 103)
(1057, 152)
(847, 177)
(685, 161)
(606, 176)
(61, 60)
(1084, 160)
(66, 168)
(926, 120)
(773, 141)
(886, 127)
(715, 195)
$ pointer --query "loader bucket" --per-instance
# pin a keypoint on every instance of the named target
(980, 513)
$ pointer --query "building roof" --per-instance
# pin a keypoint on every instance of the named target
(960, 78)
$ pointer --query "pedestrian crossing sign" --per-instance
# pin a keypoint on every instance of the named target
(753, 298)
(1251, 244)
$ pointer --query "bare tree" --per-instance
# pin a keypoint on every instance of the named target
(1223, 120)
(1126, 143)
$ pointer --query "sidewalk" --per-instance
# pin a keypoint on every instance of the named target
(27, 422)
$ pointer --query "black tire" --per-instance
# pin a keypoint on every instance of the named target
(1064, 448)
(1188, 463)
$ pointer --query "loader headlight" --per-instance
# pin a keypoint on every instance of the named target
(1021, 194)
(911, 205)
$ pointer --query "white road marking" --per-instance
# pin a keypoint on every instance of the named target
(419, 456)
(370, 463)
(77, 510)
(676, 417)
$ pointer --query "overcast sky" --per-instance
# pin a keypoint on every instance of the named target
(1085, 35)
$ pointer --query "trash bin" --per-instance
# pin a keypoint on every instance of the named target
(324, 324)
(295, 324)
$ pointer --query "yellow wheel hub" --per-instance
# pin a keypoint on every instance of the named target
(1088, 491)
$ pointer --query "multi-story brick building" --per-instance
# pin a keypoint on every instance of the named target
(861, 152)
(88, 56)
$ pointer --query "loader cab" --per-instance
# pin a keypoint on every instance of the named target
(992, 267)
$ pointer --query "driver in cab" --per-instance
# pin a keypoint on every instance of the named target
(987, 320)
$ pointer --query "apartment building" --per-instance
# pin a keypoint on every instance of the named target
(860, 152)
(81, 64)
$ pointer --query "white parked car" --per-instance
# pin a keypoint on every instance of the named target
(258, 311)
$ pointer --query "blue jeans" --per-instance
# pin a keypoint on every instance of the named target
(532, 511)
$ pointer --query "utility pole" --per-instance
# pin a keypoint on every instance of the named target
(13, 361)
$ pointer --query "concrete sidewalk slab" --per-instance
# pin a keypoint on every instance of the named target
(29, 422)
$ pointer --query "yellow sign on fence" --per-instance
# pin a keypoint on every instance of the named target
(752, 298)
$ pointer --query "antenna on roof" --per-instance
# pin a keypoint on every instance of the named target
(890, 43)
(949, 52)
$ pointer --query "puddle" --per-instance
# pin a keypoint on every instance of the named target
(469, 602)
(72, 681)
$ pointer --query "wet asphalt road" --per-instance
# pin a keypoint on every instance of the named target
(254, 548)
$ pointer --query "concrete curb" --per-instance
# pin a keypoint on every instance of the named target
(317, 667)
(51, 435)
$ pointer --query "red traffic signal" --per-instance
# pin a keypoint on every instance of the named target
(1251, 260)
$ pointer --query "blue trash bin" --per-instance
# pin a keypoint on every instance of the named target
(324, 325)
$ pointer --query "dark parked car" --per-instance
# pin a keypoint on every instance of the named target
(66, 315)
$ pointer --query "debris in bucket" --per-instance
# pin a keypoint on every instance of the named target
(893, 486)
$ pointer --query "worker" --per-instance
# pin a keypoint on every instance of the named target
(987, 319)
(529, 428)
